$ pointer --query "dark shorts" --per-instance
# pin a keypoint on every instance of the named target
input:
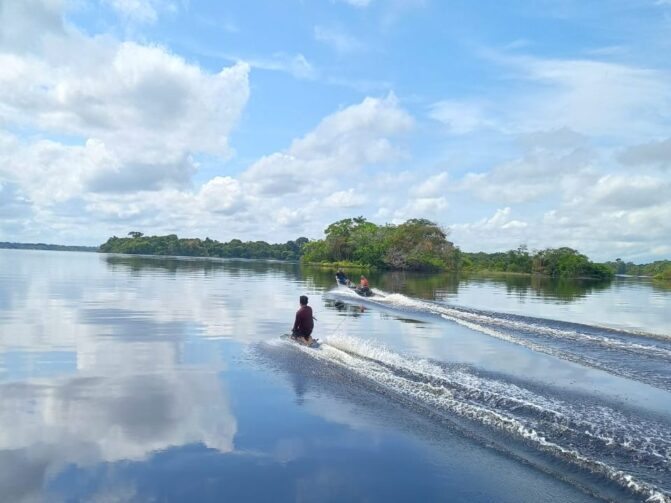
(301, 333)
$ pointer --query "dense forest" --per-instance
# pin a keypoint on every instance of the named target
(659, 268)
(416, 245)
(43, 246)
(665, 274)
(138, 243)
(555, 262)
(422, 245)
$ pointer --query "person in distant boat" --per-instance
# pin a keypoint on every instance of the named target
(304, 323)
(341, 278)
(364, 288)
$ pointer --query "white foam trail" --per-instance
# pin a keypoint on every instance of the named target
(483, 323)
(540, 420)
(454, 314)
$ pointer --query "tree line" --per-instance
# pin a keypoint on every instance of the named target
(561, 262)
(139, 244)
(45, 246)
(422, 245)
(660, 269)
(415, 245)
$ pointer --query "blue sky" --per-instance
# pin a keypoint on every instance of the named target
(546, 123)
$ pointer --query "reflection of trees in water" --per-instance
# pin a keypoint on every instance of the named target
(176, 265)
(344, 307)
(420, 285)
(661, 285)
(412, 284)
(561, 289)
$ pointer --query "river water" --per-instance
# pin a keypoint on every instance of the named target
(152, 379)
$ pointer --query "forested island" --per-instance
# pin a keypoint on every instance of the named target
(422, 245)
(416, 245)
(660, 269)
(139, 244)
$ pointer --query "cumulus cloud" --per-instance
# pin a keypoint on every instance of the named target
(339, 146)
(433, 186)
(110, 118)
(494, 233)
(292, 192)
(460, 117)
(627, 192)
(432, 208)
(553, 134)
(140, 110)
(29, 25)
(501, 220)
(552, 160)
(345, 199)
(128, 96)
(222, 195)
(656, 153)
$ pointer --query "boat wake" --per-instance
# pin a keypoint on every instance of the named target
(642, 357)
(627, 451)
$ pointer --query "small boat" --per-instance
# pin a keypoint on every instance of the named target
(359, 290)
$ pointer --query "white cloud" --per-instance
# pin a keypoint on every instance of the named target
(630, 191)
(495, 233)
(296, 65)
(656, 153)
(349, 198)
(432, 208)
(591, 97)
(596, 98)
(566, 115)
(134, 115)
(615, 215)
(341, 144)
(143, 11)
(357, 3)
(292, 192)
(552, 161)
(501, 220)
(337, 39)
(433, 186)
(461, 117)
(222, 195)
(131, 95)
(30, 25)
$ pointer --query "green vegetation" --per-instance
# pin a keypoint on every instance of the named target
(140, 244)
(554, 262)
(653, 269)
(416, 245)
(356, 243)
(665, 275)
(43, 246)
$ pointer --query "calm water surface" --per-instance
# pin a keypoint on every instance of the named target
(145, 379)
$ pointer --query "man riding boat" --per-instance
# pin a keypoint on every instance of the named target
(341, 278)
(363, 288)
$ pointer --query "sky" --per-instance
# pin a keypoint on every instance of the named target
(545, 123)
